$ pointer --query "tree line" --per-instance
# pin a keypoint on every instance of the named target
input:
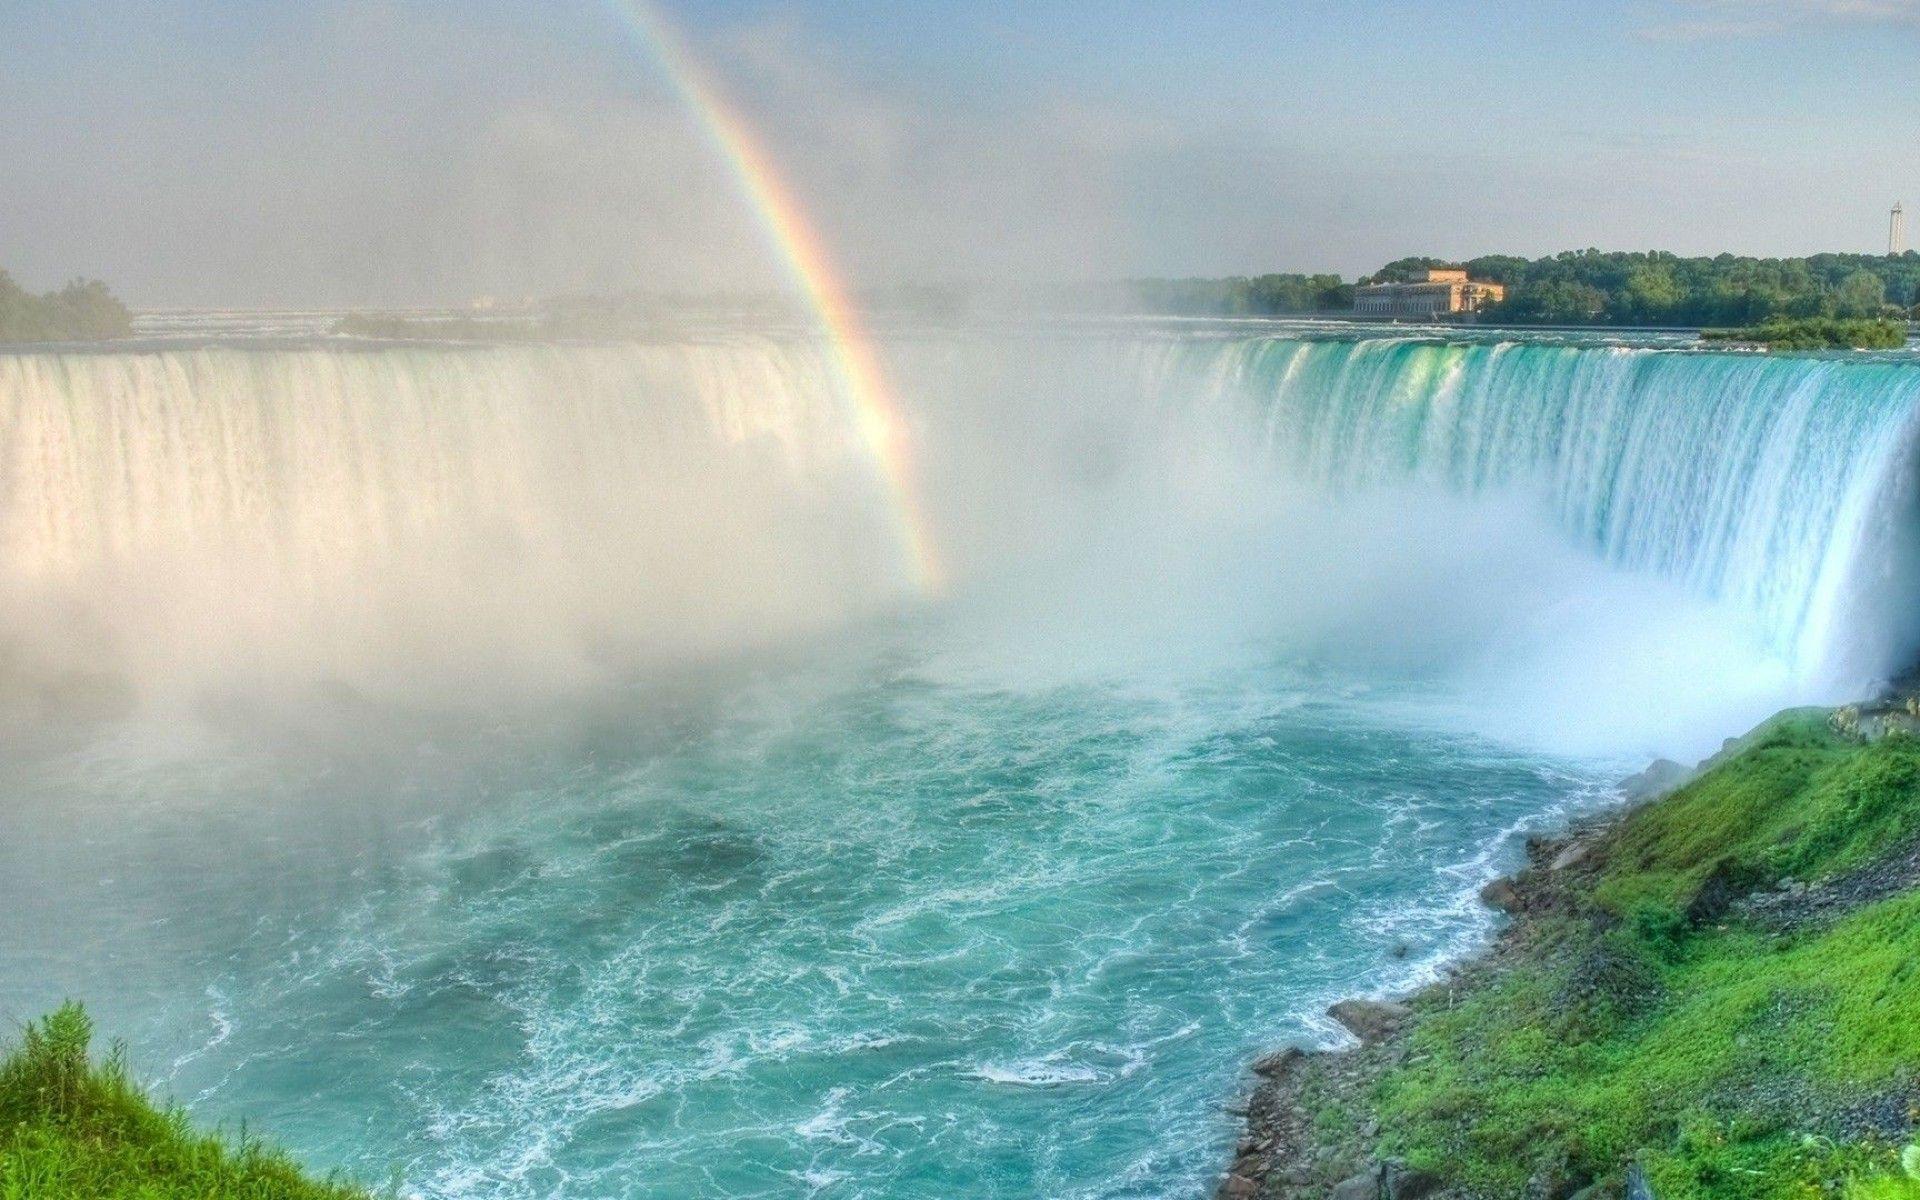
(84, 310)
(1595, 287)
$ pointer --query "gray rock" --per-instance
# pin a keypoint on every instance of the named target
(1662, 775)
(1572, 855)
(1278, 1063)
(1238, 1187)
(1406, 1183)
(1888, 724)
(1371, 1020)
(1364, 1186)
(1637, 1186)
(1724, 884)
(1501, 895)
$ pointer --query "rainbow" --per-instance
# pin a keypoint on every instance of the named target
(805, 259)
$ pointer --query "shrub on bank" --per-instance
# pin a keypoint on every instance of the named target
(73, 1128)
(1817, 333)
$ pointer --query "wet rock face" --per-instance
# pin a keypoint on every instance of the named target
(1371, 1020)
(1502, 895)
(1894, 713)
(1278, 1063)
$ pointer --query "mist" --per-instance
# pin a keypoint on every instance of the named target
(196, 532)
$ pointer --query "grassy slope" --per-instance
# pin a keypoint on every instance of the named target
(1732, 1059)
(74, 1129)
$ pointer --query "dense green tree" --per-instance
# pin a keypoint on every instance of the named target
(84, 310)
(1657, 288)
(1860, 294)
(1406, 270)
(1557, 302)
(1649, 296)
(1498, 268)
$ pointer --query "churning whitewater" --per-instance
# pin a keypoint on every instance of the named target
(530, 769)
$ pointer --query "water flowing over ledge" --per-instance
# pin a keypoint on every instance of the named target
(1783, 486)
(633, 495)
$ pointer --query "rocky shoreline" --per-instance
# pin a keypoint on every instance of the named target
(1331, 1123)
(1285, 1153)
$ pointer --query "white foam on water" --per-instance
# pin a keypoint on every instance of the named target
(1263, 655)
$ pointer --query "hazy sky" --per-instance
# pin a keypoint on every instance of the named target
(256, 152)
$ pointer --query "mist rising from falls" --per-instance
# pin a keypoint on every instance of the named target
(1778, 486)
(1630, 524)
(1615, 548)
(454, 517)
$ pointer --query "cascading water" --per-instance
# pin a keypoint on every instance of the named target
(654, 848)
(204, 513)
(319, 498)
(1778, 485)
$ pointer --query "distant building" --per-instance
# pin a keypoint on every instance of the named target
(1897, 229)
(1445, 292)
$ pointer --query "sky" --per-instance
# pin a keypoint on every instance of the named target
(256, 153)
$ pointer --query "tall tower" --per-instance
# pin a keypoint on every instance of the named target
(1897, 230)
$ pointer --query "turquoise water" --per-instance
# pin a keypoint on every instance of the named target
(519, 771)
(859, 927)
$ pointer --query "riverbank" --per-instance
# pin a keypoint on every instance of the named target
(1714, 993)
(77, 1127)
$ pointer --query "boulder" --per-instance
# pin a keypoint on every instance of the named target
(1662, 775)
(1364, 1186)
(1278, 1063)
(1501, 895)
(1724, 884)
(1637, 1186)
(1371, 1020)
(1572, 855)
(1238, 1187)
(1408, 1183)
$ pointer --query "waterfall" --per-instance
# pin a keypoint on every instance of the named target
(325, 511)
(1781, 487)
(328, 512)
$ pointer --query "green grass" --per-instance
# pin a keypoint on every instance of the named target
(1795, 801)
(1885, 1187)
(1723, 1056)
(73, 1128)
(1818, 333)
